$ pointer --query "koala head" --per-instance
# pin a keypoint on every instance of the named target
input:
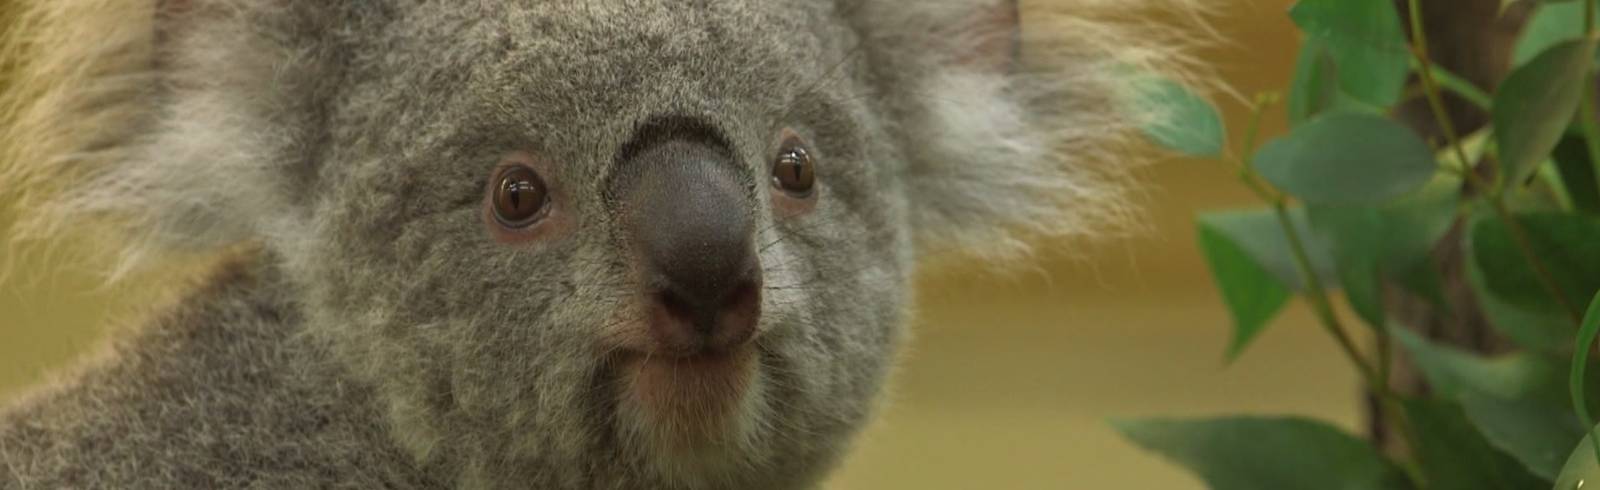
(604, 243)
(642, 242)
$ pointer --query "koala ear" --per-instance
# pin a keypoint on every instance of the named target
(1005, 120)
(185, 124)
(996, 30)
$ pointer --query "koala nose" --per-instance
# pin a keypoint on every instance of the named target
(692, 228)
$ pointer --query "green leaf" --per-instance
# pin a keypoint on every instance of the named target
(1345, 158)
(1577, 174)
(1424, 280)
(1316, 85)
(1365, 39)
(1245, 453)
(1566, 243)
(1455, 456)
(1509, 287)
(1362, 282)
(1252, 294)
(1581, 389)
(1550, 24)
(1390, 241)
(1542, 330)
(1189, 124)
(1535, 104)
(1537, 435)
(1505, 4)
(1261, 235)
(1454, 373)
(1581, 470)
(1315, 88)
(1517, 401)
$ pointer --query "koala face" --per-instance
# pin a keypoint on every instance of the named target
(648, 243)
(614, 244)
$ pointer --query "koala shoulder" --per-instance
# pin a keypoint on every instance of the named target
(216, 392)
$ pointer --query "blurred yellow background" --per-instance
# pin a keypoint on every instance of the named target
(1009, 380)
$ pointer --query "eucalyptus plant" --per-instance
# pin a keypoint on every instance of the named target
(1356, 202)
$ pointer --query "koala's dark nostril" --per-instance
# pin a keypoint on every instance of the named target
(692, 225)
(689, 327)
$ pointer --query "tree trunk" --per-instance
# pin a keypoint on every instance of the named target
(1473, 39)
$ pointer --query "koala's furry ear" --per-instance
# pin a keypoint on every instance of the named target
(184, 124)
(996, 30)
(1011, 123)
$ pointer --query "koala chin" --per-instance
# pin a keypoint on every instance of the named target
(533, 243)
(694, 418)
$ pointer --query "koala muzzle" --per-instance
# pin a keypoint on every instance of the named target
(691, 226)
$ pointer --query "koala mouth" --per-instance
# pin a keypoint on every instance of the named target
(703, 389)
(692, 375)
(688, 404)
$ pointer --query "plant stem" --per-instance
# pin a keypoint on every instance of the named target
(1258, 106)
(1540, 271)
(1430, 86)
(1590, 322)
(1395, 413)
(1460, 86)
(1385, 356)
(1313, 285)
(1419, 49)
(1586, 112)
(1591, 129)
(1377, 380)
(1580, 362)
(1319, 296)
(1389, 401)
(1389, 408)
(1588, 17)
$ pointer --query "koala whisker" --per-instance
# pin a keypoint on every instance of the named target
(785, 266)
(788, 288)
(832, 73)
(766, 228)
(769, 245)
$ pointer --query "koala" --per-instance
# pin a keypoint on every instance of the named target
(532, 243)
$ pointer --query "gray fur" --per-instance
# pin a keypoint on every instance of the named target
(378, 336)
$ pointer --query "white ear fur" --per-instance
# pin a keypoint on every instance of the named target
(987, 171)
(998, 159)
(114, 119)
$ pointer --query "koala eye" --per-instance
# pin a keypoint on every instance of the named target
(794, 172)
(520, 197)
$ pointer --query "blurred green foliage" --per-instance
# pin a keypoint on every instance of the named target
(1357, 202)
